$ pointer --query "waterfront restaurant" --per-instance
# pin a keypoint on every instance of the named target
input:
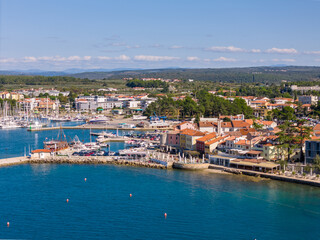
(254, 165)
(246, 164)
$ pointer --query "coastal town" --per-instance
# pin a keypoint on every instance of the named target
(191, 120)
(278, 136)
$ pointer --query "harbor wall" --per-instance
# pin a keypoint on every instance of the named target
(190, 166)
(266, 175)
(175, 165)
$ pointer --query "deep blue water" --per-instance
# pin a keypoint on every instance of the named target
(199, 205)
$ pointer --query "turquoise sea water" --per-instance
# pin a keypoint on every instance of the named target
(199, 205)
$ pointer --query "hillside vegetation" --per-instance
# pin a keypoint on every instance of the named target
(236, 75)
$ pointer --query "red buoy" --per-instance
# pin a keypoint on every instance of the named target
(67, 200)
(165, 215)
(130, 195)
(8, 224)
(85, 179)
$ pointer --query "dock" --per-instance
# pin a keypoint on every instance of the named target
(95, 127)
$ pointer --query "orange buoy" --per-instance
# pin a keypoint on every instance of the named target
(85, 179)
(130, 195)
(165, 215)
(8, 224)
(67, 200)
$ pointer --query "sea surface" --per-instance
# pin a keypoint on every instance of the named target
(18, 142)
(199, 205)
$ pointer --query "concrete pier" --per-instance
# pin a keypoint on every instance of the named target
(13, 161)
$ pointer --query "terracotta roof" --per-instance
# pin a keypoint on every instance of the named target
(41, 151)
(268, 144)
(315, 138)
(254, 152)
(250, 121)
(258, 101)
(235, 133)
(306, 105)
(240, 124)
(231, 138)
(226, 124)
(317, 127)
(215, 140)
(245, 131)
(206, 124)
(207, 137)
(242, 142)
(191, 132)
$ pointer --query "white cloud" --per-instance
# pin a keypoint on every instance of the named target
(30, 59)
(283, 60)
(226, 49)
(312, 52)
(123, 58)
(255, 50)
(104, 58)
(224, 59)
(154, 58)
(74, 58)
(282, 50)
(7, 60)
(87, 58)
(175, 47)
(193, 58)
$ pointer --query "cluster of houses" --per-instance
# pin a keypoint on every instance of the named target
(236, 143)
(20, 94)
(11, 95)
(36, 92)
(262, 105)
(135, 103)
(38, 105)
(157, 79)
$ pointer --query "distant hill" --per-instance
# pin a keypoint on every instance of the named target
(269, 74)
(249, 74)
(38, 72)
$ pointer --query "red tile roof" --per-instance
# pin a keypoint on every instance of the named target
(207, 137)
(41, 151)
(240, 124)
(191, 132)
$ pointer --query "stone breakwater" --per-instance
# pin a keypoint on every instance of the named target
(95, 160)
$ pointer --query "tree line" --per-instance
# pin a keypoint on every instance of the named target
(205, 104)
(146, 84)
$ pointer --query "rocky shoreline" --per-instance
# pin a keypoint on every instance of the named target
(95, 160)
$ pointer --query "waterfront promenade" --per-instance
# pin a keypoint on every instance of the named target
(153, 163)
(96, 126)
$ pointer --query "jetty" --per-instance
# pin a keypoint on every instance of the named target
(13, 161)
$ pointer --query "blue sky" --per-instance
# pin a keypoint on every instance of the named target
(61, 34)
